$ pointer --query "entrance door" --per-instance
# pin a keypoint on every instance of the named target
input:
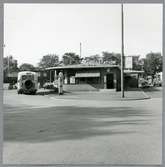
(110, 81)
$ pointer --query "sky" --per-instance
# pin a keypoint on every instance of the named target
(34, 30)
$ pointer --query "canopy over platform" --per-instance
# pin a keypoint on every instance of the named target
(133, 72)
(82, 66)
(87, 75)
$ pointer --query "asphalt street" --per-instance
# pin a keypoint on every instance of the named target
(82, 128)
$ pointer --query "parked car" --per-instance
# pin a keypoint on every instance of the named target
(150, 81)
(143, 83)
(50, 85)
(157, 80)
(10, 86)
(15, 86)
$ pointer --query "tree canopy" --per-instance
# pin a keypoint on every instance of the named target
(153, 63)
(93, 59)
(49, 60)
(111, 58)
(26, 67)
(9, 64)
(71, 58)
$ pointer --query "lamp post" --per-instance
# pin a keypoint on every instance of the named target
(122, 51)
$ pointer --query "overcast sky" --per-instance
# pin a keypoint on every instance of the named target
(34, 30)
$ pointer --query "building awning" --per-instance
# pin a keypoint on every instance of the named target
(87, 75)
(133, 72)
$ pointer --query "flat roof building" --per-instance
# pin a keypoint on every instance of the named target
(89, 77)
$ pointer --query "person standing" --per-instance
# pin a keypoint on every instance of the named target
(60, 83)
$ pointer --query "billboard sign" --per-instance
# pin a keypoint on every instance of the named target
(128, 62)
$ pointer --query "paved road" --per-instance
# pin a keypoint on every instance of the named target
(71, 130)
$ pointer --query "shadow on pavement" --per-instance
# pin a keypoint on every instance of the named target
(154, 92)
(47, 92)
(69, 123)
(152, 89)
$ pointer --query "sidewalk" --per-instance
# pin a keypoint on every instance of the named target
(133, 95)
(137, 94)
(101, 95)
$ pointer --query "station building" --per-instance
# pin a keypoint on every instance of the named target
(90, 77)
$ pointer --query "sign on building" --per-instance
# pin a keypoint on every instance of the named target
(66, 81)
(128, 62)
(72, 80)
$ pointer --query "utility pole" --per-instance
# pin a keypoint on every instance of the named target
(8, 64)
(122, 51)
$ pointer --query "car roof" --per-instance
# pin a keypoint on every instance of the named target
(26, 72)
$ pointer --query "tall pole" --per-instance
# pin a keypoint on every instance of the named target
(8, 63)
(80, 50)
(122, 52)
(50, 76)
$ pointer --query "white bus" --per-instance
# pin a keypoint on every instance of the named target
(27, 82)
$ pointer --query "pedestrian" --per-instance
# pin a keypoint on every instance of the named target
(60, 83)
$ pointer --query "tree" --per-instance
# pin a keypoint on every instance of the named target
(49, 60)
(26, 67)
(111, 58)
(9, 64)
(71, 58)
(153, 63)
(93, 59)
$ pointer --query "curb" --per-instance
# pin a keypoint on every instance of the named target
(132, 98)
(129, 99)
(144, 95)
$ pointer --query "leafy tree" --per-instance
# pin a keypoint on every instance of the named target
(49, 60)
(111, 58)
(71, 58)
(93, 59)
(26, 67)
(5, 64)
(153, 63)
(9, 64)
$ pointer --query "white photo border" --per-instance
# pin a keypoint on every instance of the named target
(2, 2)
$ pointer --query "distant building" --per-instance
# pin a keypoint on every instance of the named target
(98, 76)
